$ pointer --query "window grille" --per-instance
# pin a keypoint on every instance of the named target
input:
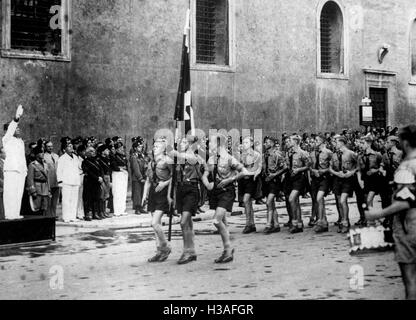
(30, 26)
(325, 43)
(212, 32)
(332, 54)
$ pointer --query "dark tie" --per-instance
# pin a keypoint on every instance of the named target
(291, 161)
(367, 162)
(391, 159)
(340, 161)
(267, 162)
(317, 160)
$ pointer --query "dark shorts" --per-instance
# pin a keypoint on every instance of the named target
(158, 201)
(248, 186)
(374, 183)
(321, 184)
(187, 198)
(405, 242)
(222, 198)
(342, 185)
(272, 187)
(296, 183)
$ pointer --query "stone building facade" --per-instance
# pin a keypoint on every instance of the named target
(112, 68)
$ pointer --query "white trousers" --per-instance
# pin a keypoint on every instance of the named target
(120, 184)
(14, 183)
(69, 203)
(80, 206)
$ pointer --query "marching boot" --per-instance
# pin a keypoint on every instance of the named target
(187, 258)
(164, 253)
(225, 257)
(156, 257)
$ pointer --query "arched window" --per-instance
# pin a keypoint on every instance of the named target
(413, 48)
(331, 39)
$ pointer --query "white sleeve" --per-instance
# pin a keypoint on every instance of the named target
(10, 131)
(59, 170)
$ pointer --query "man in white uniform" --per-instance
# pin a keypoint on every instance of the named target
(15, 168)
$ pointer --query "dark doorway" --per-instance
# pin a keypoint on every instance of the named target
(378, 97)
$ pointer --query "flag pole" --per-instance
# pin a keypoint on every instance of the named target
(174, 185)
(186, 44)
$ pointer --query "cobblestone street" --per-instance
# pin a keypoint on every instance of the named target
(109, 261)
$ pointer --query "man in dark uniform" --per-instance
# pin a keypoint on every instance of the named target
(321, 181)
(274, 166)
(37, 183)
(391, 161)
(298, 162)
(403, 211)
(371, 163)
(358, 185)
(344, 166)
(103, 159)
(93, 177)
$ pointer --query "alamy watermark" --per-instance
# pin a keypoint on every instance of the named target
(56, 281)
(357, 277)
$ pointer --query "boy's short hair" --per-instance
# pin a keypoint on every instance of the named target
(342, 139)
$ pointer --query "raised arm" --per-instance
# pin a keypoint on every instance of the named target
(13, 125)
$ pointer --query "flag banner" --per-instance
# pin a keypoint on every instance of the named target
(183, 108)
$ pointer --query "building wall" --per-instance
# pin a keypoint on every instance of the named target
(124, 72)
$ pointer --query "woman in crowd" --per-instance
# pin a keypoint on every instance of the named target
(120, 177)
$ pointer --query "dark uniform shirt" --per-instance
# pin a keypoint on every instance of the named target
(274, 161)
(224, 167)
(118, 162)
(344, 161)
(297, 159)
(159, 170)
(391, 162)
(251, 160)
(370, 160)
(321, 159)
(191, 170)
(92, 170)
(105, 165)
